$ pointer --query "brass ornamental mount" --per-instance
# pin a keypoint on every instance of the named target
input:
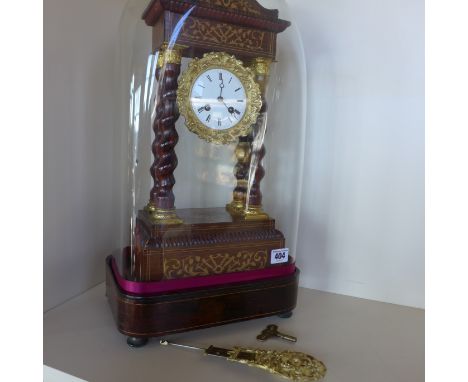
(170, 54)
(251, 213)
(219, 60)
(162, 216)
(261, 66)
(292, 365)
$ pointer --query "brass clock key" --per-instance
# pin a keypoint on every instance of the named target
(272, 331)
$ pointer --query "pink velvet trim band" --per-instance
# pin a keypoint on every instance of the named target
(168, 286)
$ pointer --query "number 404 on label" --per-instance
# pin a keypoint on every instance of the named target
(279, 256)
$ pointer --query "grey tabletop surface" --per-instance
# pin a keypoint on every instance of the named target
(358, 340)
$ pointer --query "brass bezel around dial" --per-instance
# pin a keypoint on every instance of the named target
(227, 62)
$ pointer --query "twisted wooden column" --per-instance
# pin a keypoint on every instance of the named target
(161, 204)
(247, 197)
(241, 172)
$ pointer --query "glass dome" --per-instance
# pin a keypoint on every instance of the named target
(209, 142)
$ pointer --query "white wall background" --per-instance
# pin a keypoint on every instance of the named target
(80, 38)
(362, 226)
(362, 217)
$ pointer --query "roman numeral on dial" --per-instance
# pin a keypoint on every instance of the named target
(208, 118)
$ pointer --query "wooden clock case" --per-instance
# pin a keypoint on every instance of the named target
(196, 268)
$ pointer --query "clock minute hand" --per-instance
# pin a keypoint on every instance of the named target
(221, 86)
(231, 110)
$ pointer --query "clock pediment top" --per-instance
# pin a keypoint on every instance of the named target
(251, 7)
(241, 12)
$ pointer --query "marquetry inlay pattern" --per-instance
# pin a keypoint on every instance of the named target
(201, 31)
(196, 265)
(245, 6)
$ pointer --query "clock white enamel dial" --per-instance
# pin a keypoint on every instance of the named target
(219, 98)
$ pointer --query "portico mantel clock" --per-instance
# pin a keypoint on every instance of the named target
(216, 260)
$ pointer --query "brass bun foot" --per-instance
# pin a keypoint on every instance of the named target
(239, 210)
(163, 216)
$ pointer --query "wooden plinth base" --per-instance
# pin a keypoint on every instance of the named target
(209, 241)
(157, 315)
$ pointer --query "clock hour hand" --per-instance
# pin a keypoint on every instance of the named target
(207, 107)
